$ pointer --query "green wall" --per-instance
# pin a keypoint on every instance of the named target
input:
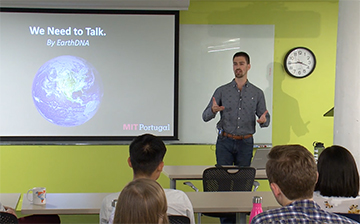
(298, 104)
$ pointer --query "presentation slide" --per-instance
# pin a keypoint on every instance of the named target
(87, 75)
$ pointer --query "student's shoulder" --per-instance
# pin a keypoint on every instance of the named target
(174, 191)
(337, 204)
(260, 218)
(111, 197)
(337, 218)
(175, 194)
(269, 216)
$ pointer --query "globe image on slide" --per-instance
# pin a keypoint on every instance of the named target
(67, 91)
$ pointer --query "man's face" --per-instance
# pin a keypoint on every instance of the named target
(240, 67)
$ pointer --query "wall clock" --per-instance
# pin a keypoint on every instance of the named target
(299, 62)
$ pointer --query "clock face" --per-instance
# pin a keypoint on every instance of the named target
(299, 62)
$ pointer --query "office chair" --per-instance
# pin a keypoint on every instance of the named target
(210, 173)
(355, 217)
(7, 218)
(227, 178)
(178, 219)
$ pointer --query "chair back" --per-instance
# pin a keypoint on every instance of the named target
(178, 219)
(228, 178)
(8, 218)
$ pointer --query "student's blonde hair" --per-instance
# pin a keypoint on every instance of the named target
(142, 200)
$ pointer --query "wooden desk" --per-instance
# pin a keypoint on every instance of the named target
(66, 203)
(236, 202)
(194, 173)
(10, 199)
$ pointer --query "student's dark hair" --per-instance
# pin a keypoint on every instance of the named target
(146, 153)
(338, 174)
(242, 54)
(293, 169)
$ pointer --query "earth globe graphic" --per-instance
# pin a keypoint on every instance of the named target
(67, 91)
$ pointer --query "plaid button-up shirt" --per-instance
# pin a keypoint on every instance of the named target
(300, 212)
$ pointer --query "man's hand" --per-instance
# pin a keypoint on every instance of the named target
(262, 119)
(216, 108)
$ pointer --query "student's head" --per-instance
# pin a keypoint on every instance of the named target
(338, 174)
(293, 169)
(146, 155)
(141, 201)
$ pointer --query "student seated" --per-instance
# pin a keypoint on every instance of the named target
(337, 189)
(292, 174)
(142, 201)
(146, 159)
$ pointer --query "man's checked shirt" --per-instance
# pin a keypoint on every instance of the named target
(298, 212)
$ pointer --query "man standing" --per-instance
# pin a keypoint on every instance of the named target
(239, 102)
(292, 174)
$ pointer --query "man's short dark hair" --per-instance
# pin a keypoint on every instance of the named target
(338, 173)
(242, 54)
(293, 169)
(146, 153)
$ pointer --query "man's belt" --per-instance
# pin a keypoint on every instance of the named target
(236, 137)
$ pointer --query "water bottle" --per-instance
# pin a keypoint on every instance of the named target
(256, 209)
(318, 148)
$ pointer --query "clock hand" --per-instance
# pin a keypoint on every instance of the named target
(299, 62)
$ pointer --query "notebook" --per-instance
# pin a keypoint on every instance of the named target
(260, 158)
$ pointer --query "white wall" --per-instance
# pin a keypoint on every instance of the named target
(347, 87)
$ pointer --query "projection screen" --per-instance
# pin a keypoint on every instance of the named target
(88, 75)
